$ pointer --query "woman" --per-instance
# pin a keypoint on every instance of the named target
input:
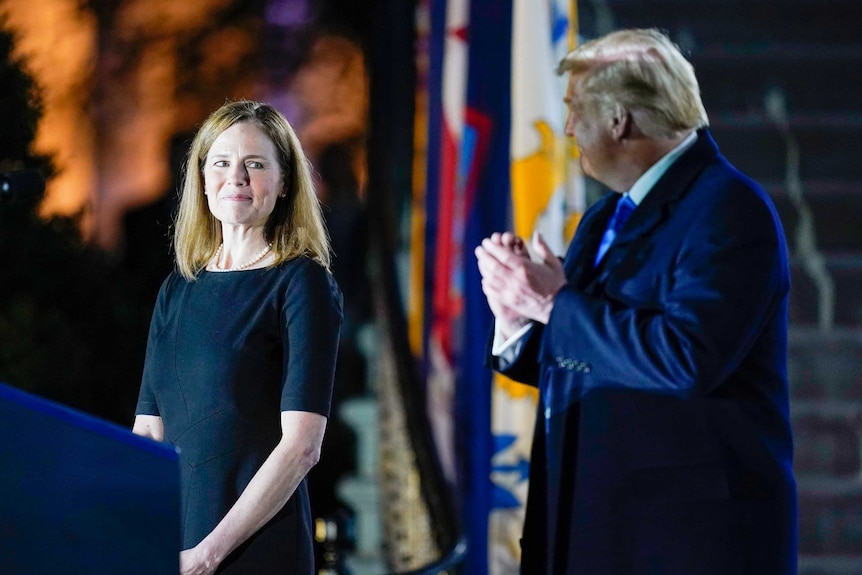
(245, 329)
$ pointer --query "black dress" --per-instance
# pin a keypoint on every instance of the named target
(227, 354)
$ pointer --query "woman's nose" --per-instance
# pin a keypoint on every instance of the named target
(238, 175)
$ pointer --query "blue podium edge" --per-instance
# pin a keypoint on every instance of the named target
(83, 420)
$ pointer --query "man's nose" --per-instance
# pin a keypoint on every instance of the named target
(569, 128)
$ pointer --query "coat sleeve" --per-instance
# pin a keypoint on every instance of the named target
(524, 367)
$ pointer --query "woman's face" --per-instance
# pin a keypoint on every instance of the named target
(242, 176)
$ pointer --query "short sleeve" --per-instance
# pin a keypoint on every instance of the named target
(313, 314)
(146, 396)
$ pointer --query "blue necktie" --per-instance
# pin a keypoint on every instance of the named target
(625, 207)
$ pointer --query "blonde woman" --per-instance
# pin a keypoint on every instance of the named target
(242, 346)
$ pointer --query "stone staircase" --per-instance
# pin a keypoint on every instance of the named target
(826, 387)
(779, 81)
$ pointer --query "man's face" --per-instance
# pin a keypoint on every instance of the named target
(591, 134)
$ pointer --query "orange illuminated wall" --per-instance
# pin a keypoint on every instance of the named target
(121, 79)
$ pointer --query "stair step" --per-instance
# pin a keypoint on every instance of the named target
(826, 438)
(815, 189)
(833, 207)
(817, 487)
(830, 565)
(764, 21)
(756, 146)
(830, 516)
(799, 70)
(840, 412)
(824, 366)
(845, 273)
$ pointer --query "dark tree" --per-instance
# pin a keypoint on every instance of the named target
(72, 326)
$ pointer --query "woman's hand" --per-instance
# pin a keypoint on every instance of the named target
(267, 492)
(195, 561)
(149, 426)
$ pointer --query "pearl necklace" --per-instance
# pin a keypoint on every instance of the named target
(260, 255)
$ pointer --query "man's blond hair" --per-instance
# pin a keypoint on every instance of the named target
(643, 71)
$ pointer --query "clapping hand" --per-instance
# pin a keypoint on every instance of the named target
(518, 288)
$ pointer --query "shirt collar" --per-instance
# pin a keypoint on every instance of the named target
(645, 183)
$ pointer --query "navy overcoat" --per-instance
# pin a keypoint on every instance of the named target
(662, 442)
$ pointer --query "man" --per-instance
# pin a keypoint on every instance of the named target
(662, 443)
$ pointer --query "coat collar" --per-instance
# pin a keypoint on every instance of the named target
(674, 184)
(655, 208)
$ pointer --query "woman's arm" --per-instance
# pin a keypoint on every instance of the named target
(267, 492)
(149, 426)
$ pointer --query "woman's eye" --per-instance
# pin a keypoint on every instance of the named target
(255, 165)
(221, 164)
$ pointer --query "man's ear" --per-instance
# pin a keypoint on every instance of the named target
(621, 123)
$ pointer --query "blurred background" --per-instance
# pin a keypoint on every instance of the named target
(430, 124)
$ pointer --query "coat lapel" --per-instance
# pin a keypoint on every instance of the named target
(582, 252)
(659, 203)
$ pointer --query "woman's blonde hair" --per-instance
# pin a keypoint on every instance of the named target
(295, 227)
(643, 71)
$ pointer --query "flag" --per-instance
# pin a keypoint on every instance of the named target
(437, 215)
(547, 195)
(496, 159)
(448, 289)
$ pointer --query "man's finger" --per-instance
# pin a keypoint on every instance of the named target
(502, 254)
(541, 248)
(488, 264)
